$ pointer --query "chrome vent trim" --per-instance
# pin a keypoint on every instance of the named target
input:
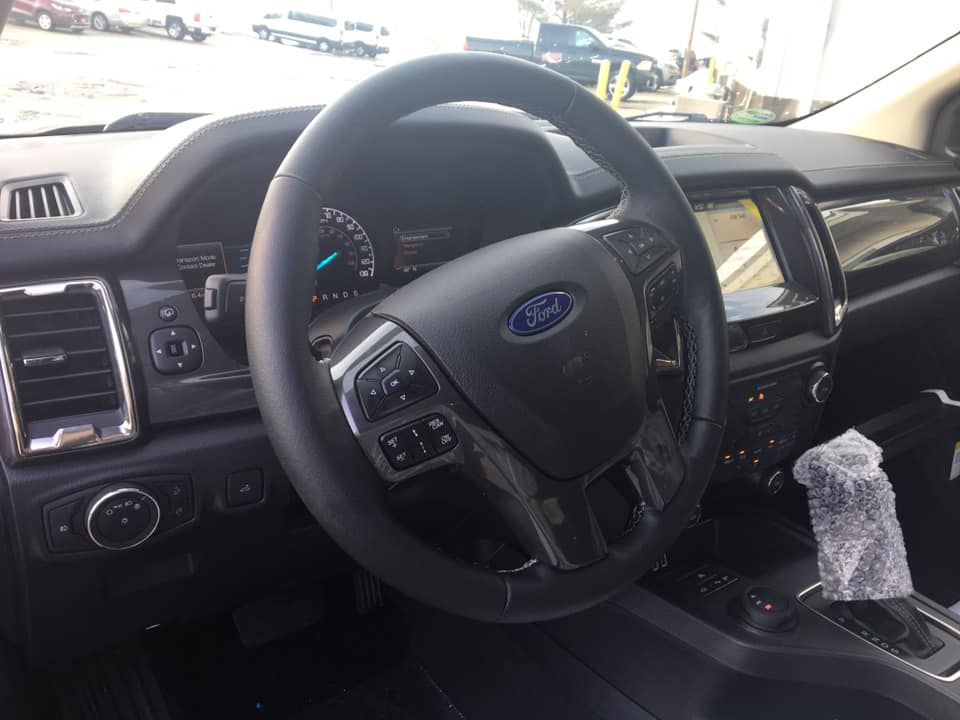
(48, 198)
(78, 431)
(838, 280)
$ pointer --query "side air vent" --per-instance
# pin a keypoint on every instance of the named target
(65, 373)
(838, 281)
(38, 200)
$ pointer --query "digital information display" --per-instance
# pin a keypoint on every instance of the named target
(199, 261)
(421, 249)
(739, 244)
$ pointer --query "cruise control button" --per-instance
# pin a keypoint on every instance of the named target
(440, 433)
(419, 443)
(396, 446)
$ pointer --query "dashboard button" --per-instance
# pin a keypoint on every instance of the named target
(440, 433)
(63, 527)
(175, 350)
(244, 488)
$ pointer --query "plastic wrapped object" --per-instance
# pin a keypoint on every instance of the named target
(853, 511)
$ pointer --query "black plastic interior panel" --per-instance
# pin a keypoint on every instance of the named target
(84, 597)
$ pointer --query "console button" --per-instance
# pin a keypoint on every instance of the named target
(175, 350)
(766, 609)
(64, 531)
(244, 488)
(122, 516)
(175, 495)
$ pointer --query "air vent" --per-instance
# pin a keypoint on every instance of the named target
(64, 369)
(38, 200)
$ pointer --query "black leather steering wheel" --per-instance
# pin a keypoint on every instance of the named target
(533, 356)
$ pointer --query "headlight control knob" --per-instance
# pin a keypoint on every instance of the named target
(820, 385)
(122, 516)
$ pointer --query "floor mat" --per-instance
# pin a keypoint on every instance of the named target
(404, 692)
(205, 672)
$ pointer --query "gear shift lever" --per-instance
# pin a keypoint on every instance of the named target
(898, 622)
(861, 555)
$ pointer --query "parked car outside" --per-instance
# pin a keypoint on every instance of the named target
(51, 15)
(577, 51)
(180, 18)
(108, 15)
(305, 27)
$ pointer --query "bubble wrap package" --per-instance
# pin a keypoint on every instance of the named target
(853, 512)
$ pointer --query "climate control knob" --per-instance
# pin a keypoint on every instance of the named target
(820, 385)
(121, 517)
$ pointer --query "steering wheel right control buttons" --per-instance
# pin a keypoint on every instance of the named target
(422, 440)
(663, 290)
(638, 247)
(396, 380)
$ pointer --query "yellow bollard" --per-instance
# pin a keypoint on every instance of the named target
(712, 73)
(603, 80)
(621, 83)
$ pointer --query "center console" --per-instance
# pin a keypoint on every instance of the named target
(785, 298)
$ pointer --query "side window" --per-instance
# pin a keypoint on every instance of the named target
(364, 27)
(583, 39)
(348, 26)
(384, 32)
(555, 37)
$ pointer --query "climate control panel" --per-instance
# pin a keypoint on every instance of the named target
(771, 419)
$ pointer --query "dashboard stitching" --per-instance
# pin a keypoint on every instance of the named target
(177, 151)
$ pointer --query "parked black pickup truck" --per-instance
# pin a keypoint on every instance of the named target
(576, 51)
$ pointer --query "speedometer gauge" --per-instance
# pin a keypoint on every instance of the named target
(346, 264)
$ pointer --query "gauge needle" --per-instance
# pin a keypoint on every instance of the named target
(327, 260)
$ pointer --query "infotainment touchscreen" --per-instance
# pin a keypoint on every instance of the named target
(739, 244)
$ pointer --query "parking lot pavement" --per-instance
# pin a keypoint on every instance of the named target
(50, 79)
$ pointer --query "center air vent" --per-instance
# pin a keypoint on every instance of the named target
(38, 200)
(64, 369)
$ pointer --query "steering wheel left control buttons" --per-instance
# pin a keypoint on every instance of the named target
(419, 441)
(396, 380)
(175, 350)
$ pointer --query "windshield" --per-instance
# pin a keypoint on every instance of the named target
(89, 62)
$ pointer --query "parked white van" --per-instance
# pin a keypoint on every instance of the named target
(365, 39)
(323, 32)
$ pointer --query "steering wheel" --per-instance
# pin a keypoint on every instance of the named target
(527, 364)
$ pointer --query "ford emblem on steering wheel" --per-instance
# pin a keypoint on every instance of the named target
(540, 313)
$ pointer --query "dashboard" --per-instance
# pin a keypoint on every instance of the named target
(816, 238)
